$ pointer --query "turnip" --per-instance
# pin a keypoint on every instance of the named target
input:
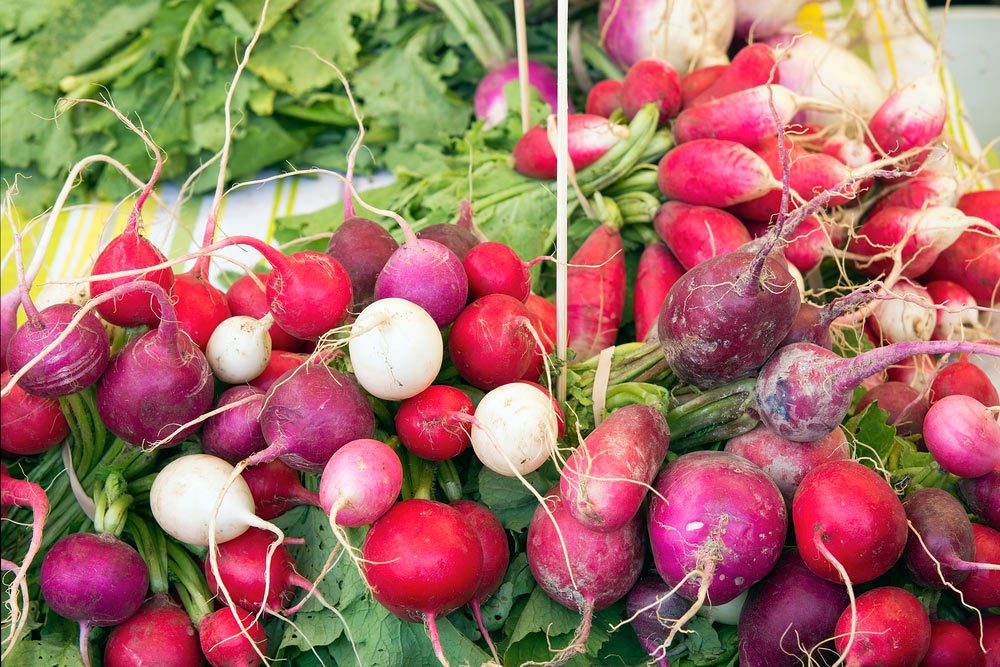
(952, 644)
(247, 297)
(649, 606)
(982, 496)
(491, 342)
(590, 137)
(515, 429)
(494, 268)
(228, 640)
(658, 271)
(886, 626)
(239, 348)
(596, 289)
(604, 98)
(362, 247)
(276, 488)
(714, 172)
(160, 633)
(963, 437)
(234, 432)
(651, 80)
(906, 406)
(696, 233)
(29, 424)
(429, 424)
(982, 587)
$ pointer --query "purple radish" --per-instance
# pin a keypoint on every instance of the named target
(963, 437)
(982, 496)
(940, 535)
(490, 102)
(234, 433)
(906, 406)
(456, 238)
(362, 247)
(650, 608)
(812, 323)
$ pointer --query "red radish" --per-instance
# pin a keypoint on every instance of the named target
(982, 588)
(696, 82)
(160, 633)
(906, 406)
(925, 190)
(746, 116)
(234, 433)
(22, 493)
(983, 204)
(951, 644)
(789, 612)
(982, 496)
(941, 546)
(426, 273)
(910, 118)
(658, 271)
(362, 247)
(490, 342)
(276, 488)
(890, 628)
(986, 628)
(490, 102)
(494, 268)
(972, 261)
(752, 66)
(696, 233)
(360, 482)
(651, 81)
(200, 306)
(308, 292)
(228, 642)
(963, 437)
(649, 604)
(847, 517)
(966, 379)
(957, 316)
(126, 252)
(604, 98)
(596, 291)
(786, 462)
(422, 562)
(542, 313)
(29, 424)
(279, 363)
(456, 238)
(428, 425)
(590, 137)
(496, 557)
(714, 172)
(606, 478)
(804, 391)
(245, 297)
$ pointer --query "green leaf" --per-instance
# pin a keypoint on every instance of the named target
(873, 438)
(509, 499)
(44, 654)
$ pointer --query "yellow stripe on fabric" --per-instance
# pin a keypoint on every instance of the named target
(811, 19)
(886, 45)
(275, 202)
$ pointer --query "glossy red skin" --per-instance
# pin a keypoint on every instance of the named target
(982, 588)
(244, 297)
(892, 630)
(604, 98)
(125, 252)
(713, 172)
(652, 80)
(595, 292)
(427, 426)
(951, 645)
(590, 137)
(965, 378)
(490, 343)
(276, 488)
(752, 66)
(989, 629)
(857, 515)
(982, 496)
(906, 406)
(973, 261)
(29, 424)
(542, 313)
(422, 559)
(280, 363)
(224, 645)
(200, 307)
(242, 562)
(310, 295)
(234, 434)
(606, 477)
(695, 83)
(605, 565)
(160, 633)
(658, 271)
(983, 204)
(456, 238)
(492, 540)
(362, 247)
(789, 609)
(494, 268)
(946, 532)
(696, 233)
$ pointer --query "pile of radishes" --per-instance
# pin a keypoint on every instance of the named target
(355, 381)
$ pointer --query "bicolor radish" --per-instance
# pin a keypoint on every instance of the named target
(590, 137)
(596, 287)
(696, 233)
(963, 436)
(714, 172)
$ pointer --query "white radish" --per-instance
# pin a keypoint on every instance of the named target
(515, 429)
(910, 316)
(239, 348)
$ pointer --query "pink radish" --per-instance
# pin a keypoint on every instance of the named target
(906, 406)
(744, 116)
(230, 642)
(29, 424)
(360, 482)
(651, 81)
(596, 291)
(490, 102)
(910, 118)
(276, 488)
(753, 66)
(590, 137)
(22, 493)
(604, 98)
(160, 633)
(245, 297)
(696, 233)
(429, 426)
(924, 190)
(887, 626)
(658, 271)
(983, 204)
(806, 245)
(491, 343)
(494, 268)
(963, 437)
(362, 247)
(714, 172)
(234, 433)
(966, 379)
(698, 81)
(759, 19)
(982, 588)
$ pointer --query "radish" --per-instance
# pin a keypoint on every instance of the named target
(491, 342)
(239, 348)
(972, 261)
(925, 190)
(231, 641)
(910, 118)
(94, 580)
(752, 66)
(604, 98)
(655, 81)
(906, 406)
(234, 432)
(649, 604)
(246, 297)
(556, 407)
(542, 314)
(276, 488)
(786, 462)
(952, 644)
(982, 496)
(887, 626)
(29, 424)
(360, 482)
(982, 587)
(456, 238)
(714, 172)
(696, 233)
(759, 19)
(606, 478)
(746, 116)
(490, 102)
(494, 268)
(939, 550)
(696, 82)
(805, 246)
(278, 364)
(957, 314)
(812, 323)
(515, 429)
(986, 627)
(160, 633)
(590, 137)
(595, 285)
(199, 305)
(430, 426)
(422, 562)
(905, 314)
(788, 613)
(963, 437)
(983, 204)
(658, 271)
(362, 247)
(849, 524)
(917, 371)
(853, 153)
(804, 391)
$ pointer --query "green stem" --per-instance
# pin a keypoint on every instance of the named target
(470, 22)
(421, 476)
(152, 546)
(100, 507)
(599, 60)
(191, 585)
(450, 482)
(79, 84)
(117, 514)
(712, 415)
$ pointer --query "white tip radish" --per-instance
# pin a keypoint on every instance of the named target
(515, 429)
(908, 316)
(239, 348)
(396, 349)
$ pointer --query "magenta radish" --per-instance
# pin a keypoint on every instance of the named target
(888, 627)
(542, 314)
(494, 268)
(847, 517)
(596, 291)
(906, 406)
(982, 496)
(957, 314)
(752, 66)
(696, 233)
(160, 633)
(982, 587)
(786, 462)
(515, 429)
(278, 364)
(651, 81)
(29, 424)
(422, 562)
(804, 391)
(245, 297)
(362, 247)
(276, 488)
(490, 103)
(491, 343)
(910, 118)
(962, 436)
(606, 478)
(649, 604)
(234, 433)
(456, 238)
(230, 642)
(698, 81)
(239, 348)
(952, 644)
(360, 482)
(788, 613)
(714, 172)
(428, 274)
(496, 557)
(200, 306)
(94, 580)
(590, 137)
(604, 98)
(658, 271)
(923, 233)
(430, 426)
(744, 116)
(941, 538)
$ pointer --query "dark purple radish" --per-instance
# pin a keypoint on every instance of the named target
(655, 81)
(590, 137)
(963, 436)
(491, 343)
(650, 606)
(362, 247)
(234, 433)
(724, 318)
(790, 612)
(496, 558)
(456, 238)
(490, 102)
(579, 568)
(246, 297)
(230, 642)
(29, 424)
(906, 406)
(982, 496)
(276, 488)
(604, 98)
(430, 424)
(940, 536)
(200, 306)
(812, 323)
(160, 633)
(804, 391)
(94, 580)
(888, 627)
(494, 268)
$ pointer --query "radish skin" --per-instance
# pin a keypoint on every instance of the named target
(515, 429)
(596, 292)
(590, 137)
(892, 628)
(963, 437)
(714, 172)
(752, 66)
(658, 271)
(696, 233)
(604, 98)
